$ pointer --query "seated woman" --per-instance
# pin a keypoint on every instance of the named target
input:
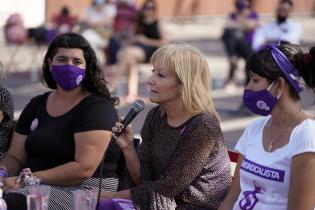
(147, 38)
(276, 165)
(237, 36)
(123, 28)
(183, 161)
(64, 21)
(61, 135)
(97, 25)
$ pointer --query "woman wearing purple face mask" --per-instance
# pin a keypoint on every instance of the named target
(60, 137)
(276, 166)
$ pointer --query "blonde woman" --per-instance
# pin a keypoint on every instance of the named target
(183, 161)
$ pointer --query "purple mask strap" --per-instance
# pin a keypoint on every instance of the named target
(289, 71)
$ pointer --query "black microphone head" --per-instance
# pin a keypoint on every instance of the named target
(138, 105)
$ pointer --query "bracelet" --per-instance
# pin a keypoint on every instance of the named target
(3, 173)
(27, 178)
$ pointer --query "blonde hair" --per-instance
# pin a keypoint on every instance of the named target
(192, 70)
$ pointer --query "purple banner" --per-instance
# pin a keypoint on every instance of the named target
(263, 171)
(116, 204)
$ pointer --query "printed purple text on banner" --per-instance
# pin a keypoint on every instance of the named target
(263, 171)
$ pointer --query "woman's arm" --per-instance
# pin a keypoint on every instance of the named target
(16, 155)
(147, 132)
(120, 194)
(130, 154)
(302, 183)
(231, 198)
(126, 143)
(247, 23)
(132, 163)
(89, 150)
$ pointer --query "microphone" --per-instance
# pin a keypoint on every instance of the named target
(137, 107)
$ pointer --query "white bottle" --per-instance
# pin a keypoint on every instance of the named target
(3, 204)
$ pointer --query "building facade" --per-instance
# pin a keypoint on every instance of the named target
(184, 8)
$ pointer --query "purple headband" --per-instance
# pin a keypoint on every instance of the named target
(289, 71)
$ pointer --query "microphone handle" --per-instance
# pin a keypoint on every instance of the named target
(126, 121)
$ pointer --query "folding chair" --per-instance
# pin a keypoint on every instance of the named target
(233, 155)
(15, 35)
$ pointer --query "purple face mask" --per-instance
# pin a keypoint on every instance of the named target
(260, 102)
(67, 76)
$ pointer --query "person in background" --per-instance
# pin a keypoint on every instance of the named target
(283, 28)
(181, 9)
(98, 23)
(237, 37)
(123, 28)
(147, 38)
(61, 135)
(183, 161)
(64, 22)
(15, 31)
(6, 117)
(276, 165)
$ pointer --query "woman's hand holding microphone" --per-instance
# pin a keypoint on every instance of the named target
(125, 139)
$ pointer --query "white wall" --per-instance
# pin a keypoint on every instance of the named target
(32, 11)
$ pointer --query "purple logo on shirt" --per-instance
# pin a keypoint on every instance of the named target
(250, 199)
(263, 171)
(34, 124)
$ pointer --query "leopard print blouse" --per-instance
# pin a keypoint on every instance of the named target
(6, 125)
(186, 167)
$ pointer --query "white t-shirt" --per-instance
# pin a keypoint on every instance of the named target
(265, 176)
(107, 11)
(289, 31)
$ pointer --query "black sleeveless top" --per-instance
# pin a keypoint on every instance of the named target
(150, 30)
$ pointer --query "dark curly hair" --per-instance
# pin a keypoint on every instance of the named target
(94, 81)
(263, 64)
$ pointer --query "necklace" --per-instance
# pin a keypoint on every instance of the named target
(289, 127)
(272, 140)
